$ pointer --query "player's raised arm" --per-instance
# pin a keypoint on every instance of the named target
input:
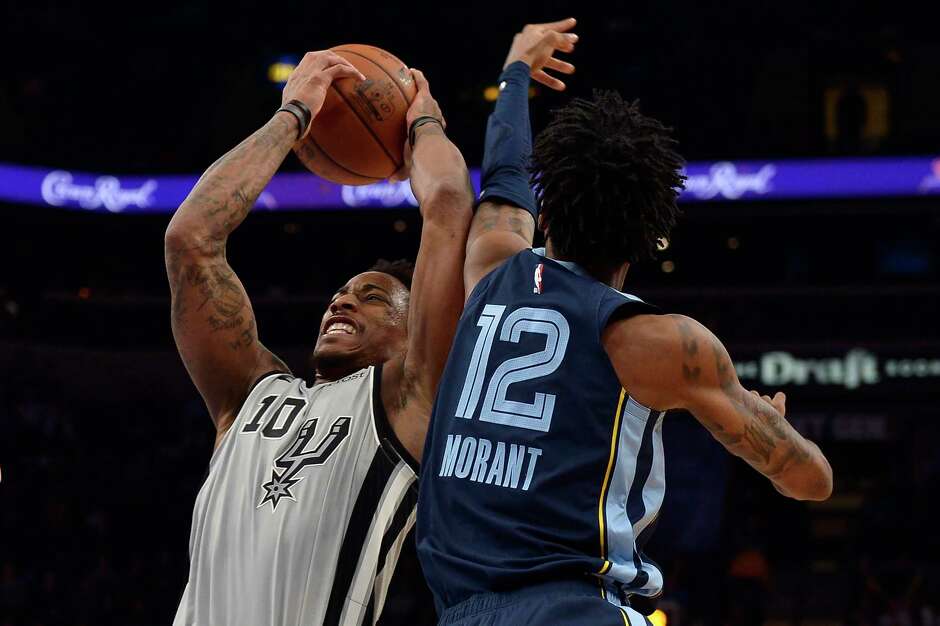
(685, 366)
(213, 323)
(504, 222)
(441, 184)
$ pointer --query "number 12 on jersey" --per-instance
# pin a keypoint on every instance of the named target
(496, 407)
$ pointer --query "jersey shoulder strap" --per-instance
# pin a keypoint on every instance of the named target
(266, 380)
(617, 305)
(388, 440)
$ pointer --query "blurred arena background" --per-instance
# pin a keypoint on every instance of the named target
(830, 292)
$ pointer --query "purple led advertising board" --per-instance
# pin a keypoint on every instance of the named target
(715, 181)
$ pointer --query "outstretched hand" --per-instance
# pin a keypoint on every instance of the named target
(313, 76)
(536, 46)
(779, 401)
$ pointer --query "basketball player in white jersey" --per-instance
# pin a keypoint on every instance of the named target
(311, 489)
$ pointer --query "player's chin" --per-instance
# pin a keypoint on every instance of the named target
(337, 347)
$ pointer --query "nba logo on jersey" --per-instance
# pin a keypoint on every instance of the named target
(538, 278)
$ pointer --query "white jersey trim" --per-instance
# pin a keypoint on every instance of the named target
(365, 576)
(641, 482)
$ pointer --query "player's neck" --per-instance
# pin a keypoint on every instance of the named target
(613, 276)
(329, 373)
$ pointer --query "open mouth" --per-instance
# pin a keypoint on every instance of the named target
(340, 327)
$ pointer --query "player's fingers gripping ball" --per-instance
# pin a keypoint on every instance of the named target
(314, 75)
(424, 104)
(358, 134)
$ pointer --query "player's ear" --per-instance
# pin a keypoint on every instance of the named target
(541, 223)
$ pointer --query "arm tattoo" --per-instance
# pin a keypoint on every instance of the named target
(492, 216)
(216, 285)
(222, 302)
(765, 441)
(201, 279)
(246, 338)
(227, 191)
(690, 371)
(212, 319)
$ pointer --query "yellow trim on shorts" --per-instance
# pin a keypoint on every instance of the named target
(610, 466)
(626, 620)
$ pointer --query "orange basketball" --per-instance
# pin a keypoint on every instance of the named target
(358, 135)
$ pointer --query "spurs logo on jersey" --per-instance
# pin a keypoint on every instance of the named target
(297, 456)
(331, 550)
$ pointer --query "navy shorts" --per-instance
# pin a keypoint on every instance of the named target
(562, 603)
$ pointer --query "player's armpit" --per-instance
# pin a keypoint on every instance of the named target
(497, 232)
(214, 327)
(685, 366)
(410, 384)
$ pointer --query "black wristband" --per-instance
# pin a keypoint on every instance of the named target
(299, 110)
(419, 122)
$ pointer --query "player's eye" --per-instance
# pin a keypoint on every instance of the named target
(372, 296)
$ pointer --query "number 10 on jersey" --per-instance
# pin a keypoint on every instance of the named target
(496, 407)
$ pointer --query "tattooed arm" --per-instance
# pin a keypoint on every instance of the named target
(672, 361)
(504, 224)
(497, 232)
(212, 319)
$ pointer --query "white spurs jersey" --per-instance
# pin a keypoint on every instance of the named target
(304, 511)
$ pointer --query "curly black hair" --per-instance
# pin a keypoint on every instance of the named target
(402, 269)
(607, 179)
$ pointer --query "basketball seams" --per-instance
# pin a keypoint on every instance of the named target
(329, 158)
(368, 128)
(385, 71)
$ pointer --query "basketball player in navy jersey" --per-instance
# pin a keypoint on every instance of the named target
(543, 470)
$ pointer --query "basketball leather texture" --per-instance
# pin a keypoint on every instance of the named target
(358, 136)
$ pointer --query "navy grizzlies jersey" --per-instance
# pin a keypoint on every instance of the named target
(537, 465)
